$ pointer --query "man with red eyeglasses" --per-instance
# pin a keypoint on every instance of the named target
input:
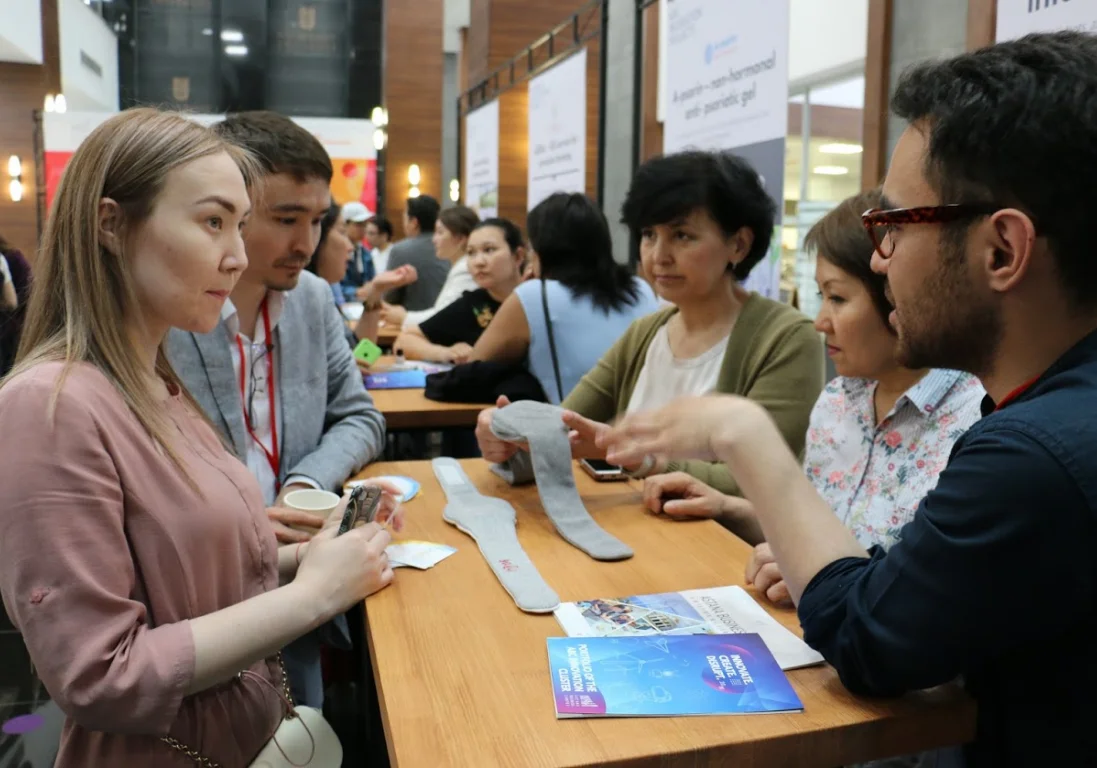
(987, 240)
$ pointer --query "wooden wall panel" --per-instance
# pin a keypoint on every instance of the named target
(509, 27)
(514, 154)
(514, 142)
(651, 130)
(515, 24)
(593, 83)
(982, 18)
(413, 98)
(877, 77)
(23, 89)
(478, 41)
(844, 123)
(51, 46)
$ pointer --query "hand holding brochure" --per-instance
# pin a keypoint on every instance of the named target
(667, 676)
(717, 611)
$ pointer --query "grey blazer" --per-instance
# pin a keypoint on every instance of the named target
(330, 427)
(419, 253)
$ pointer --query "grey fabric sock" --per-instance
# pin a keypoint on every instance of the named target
(517, 470)
(542, 427)
(491, 522)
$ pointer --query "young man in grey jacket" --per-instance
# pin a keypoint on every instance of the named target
(276, 376)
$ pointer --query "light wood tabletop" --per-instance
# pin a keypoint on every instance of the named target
(462, 674)
(410, 408)
(386, 336)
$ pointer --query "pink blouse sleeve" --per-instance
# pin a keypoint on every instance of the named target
(68, 578)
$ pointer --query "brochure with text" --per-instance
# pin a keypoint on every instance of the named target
(667, 676)
(716, 611)
(409, 379)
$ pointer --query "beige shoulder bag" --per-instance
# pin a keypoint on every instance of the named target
(304, 739)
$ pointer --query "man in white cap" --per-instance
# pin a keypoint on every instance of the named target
(360, 270)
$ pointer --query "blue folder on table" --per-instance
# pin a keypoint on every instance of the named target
(410, 379)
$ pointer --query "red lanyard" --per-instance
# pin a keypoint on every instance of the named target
(272, 455)
(1016, 393)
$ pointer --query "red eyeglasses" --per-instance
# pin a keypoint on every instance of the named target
(880, 223)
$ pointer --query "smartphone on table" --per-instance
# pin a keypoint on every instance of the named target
(602, 471)
(367, 352)
(363, 505)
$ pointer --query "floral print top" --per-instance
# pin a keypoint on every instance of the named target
(875, 475)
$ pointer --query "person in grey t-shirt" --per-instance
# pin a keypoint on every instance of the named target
(417, 250)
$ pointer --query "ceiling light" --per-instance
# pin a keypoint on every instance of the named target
(15, 167)
(454, 190)
(839, 148)
(232, 36)
(207, 32)
(413, 175)
(236, 50)
(15, 190)
(49, 105)
(59, 104)
(379, 116)
(413, 192)
(830, 170)
(379, 139)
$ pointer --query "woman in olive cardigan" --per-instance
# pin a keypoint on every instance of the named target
(773, 357)
(703, 221)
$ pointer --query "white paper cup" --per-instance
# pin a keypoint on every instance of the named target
(313, 501)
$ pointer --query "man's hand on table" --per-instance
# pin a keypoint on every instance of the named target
(765, 576)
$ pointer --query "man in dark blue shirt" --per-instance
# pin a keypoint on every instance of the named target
(987, 240)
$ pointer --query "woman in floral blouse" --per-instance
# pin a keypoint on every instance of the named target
(879, 434)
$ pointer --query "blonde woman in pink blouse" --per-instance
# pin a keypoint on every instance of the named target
(879, 434)
(135, 553)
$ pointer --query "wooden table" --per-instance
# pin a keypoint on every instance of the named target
(386, 336)
(410, 409)
(462, 674)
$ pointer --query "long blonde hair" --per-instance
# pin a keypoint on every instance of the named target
(83, 295)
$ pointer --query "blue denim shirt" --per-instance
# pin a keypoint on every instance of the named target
(360, 271)
(994, 580)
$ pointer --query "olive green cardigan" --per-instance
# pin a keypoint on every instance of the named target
(774, 357)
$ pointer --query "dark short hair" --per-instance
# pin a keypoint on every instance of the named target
(839, 239)
(511, 233)
(459, 220)
(1015, 125)
(721, 184)
(326, 225)
(571, 237)
(423, 209)
(280, 145)
(383, 225)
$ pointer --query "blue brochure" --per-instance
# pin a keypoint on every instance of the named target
(410, 379)
(652, 676)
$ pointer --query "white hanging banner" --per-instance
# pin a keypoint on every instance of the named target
(558, 130)
(482, 160)
(1017, 18)
(726, 88)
